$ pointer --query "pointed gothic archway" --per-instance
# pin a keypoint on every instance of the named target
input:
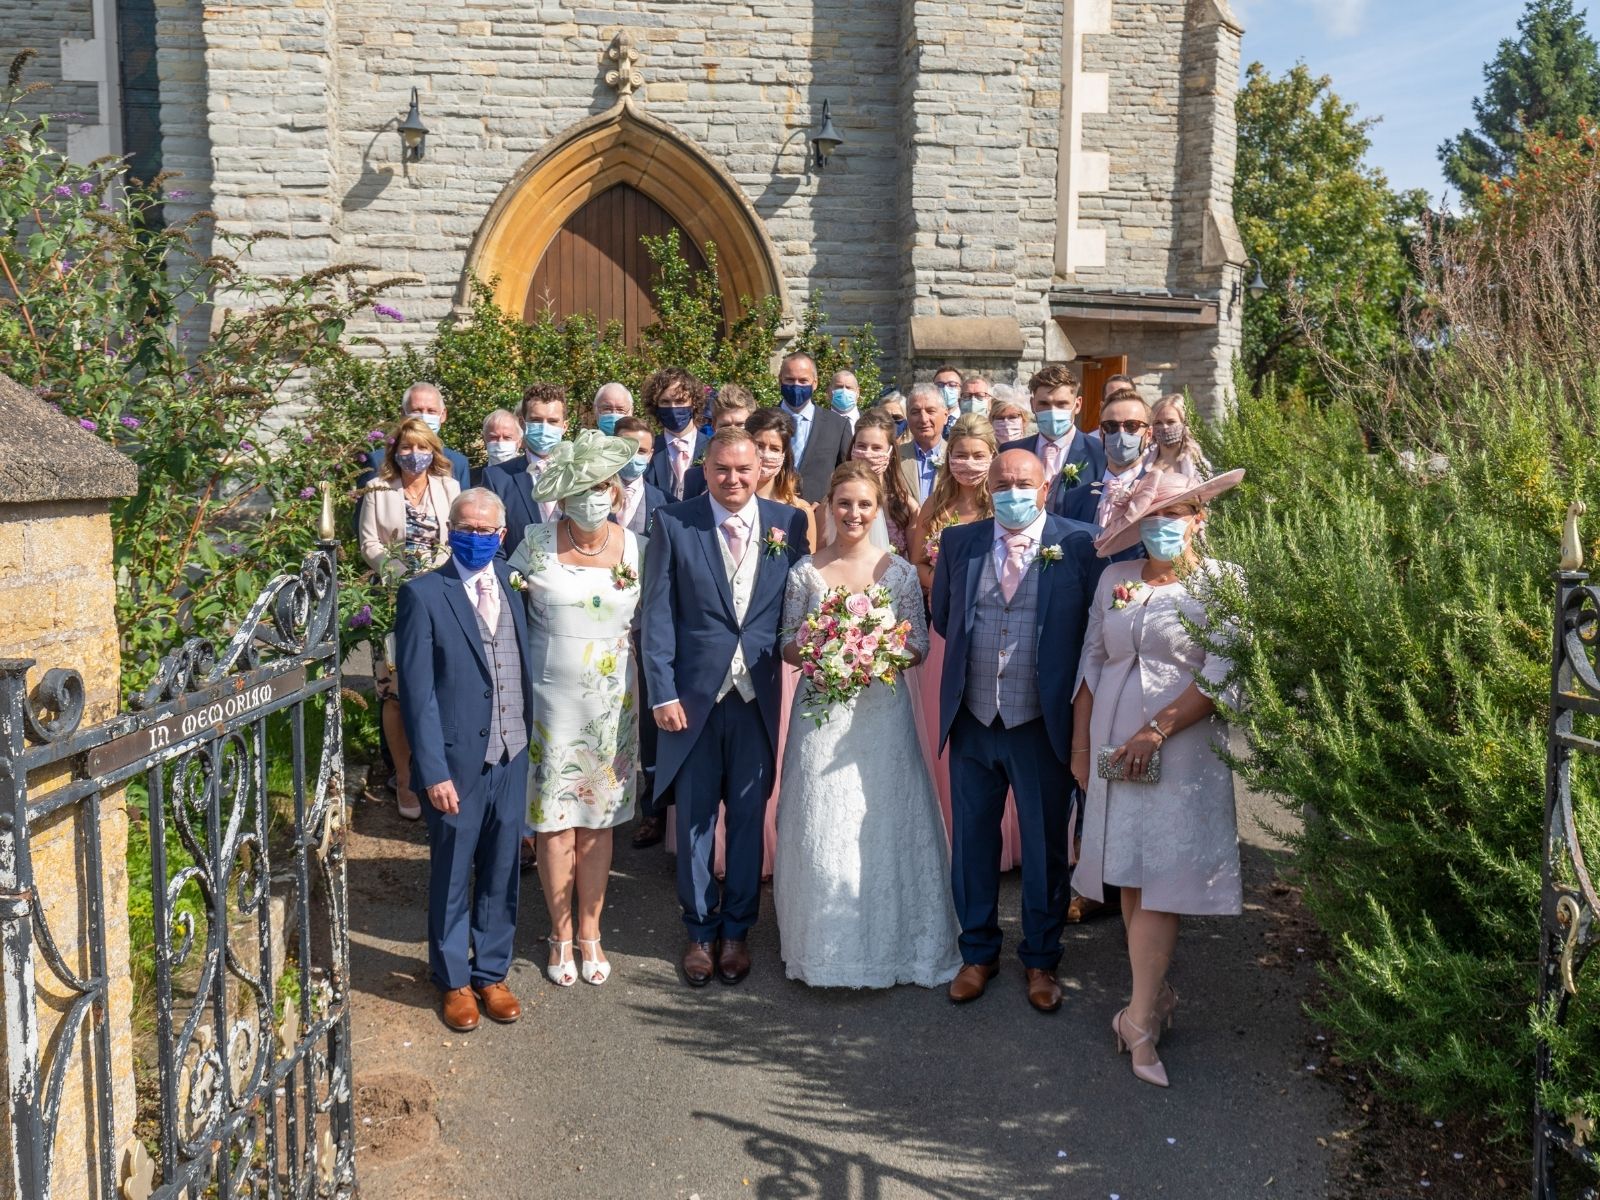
(623, 146)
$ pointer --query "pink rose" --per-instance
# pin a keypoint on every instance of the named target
(859, 604)
(776, 536)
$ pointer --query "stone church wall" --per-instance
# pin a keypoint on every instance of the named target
(31, 25)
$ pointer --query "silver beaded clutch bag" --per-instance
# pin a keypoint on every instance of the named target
(1117, 771)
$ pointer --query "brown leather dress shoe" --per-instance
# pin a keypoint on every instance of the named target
(733, 964)
(459, 1008)
(1044, 990)
(1082, 909)
(971, 980)
(498, 1002)
(699, 962)
(649, 832)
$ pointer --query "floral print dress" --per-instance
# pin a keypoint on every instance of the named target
(583, 750)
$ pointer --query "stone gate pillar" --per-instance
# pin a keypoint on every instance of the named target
(58, 607)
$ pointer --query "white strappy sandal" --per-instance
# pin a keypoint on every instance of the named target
(594, 972)
(565, 972)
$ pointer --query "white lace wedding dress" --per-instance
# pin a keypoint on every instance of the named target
(861, 884)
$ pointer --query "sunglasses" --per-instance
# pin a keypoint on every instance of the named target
(1132, 425)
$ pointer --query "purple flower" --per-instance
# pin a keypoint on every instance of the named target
(361, 618)
(362, 458)
(307, 492)
(179, 194)
(63, 191)
(246, 447)
(85, 423)
(234, 548)
(105, 206)
(85, 188)
(130, 422)
(307, 439)
(375, 435)
(188, 377)
(383, 310)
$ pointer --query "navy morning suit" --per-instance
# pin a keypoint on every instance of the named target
(445, 700)
(1030, 759)
(726, 755)
(659, 473)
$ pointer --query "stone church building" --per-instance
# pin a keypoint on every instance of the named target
(1017, 181)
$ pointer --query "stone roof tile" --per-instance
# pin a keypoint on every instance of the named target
(47, 456)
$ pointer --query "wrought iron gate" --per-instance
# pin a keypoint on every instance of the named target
(1568, 928)
(247, 889)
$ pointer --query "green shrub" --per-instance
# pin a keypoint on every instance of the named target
(1398, 676)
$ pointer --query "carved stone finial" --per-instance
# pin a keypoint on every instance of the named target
(624, 77)
(1571, 546)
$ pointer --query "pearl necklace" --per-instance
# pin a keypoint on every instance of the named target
(589, 553)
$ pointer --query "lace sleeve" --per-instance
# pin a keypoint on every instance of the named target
(906, 591)
(795, 600)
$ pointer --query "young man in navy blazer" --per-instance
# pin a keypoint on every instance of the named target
(1071, 458)
(1011, 598)
(673, 397)
(461, 638)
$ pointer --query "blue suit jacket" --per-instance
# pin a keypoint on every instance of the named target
(1088, 454)
(509, 481)
(659, 473)
(448, 691)
(690, 631)
(1065, 591)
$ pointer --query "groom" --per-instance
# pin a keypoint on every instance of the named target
(713, 600)
(1011, 599)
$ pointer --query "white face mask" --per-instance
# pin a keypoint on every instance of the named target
(590, 510)
(431, 420)
(503, 450)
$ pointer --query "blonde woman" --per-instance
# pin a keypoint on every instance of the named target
(402, 533)
(960, 496)
(1174, 448)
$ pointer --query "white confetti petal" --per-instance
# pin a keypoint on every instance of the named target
(1458, 1156)
(1172, 1141)
(1061, 1153)
(1438, 1124)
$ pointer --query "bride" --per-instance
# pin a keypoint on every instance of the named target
(862, 879)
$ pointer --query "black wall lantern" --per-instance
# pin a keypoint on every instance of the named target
(413, 133)
(825, 141)
(1258, 285)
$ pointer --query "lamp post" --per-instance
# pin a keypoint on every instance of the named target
(826, 140)
(413, 133)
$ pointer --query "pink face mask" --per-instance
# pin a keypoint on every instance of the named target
(878, 460)
(1008, 428)
(969, 472)
(771, 462)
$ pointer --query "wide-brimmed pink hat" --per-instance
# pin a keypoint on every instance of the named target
(1151, 494)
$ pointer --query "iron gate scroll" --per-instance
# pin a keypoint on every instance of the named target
(252, 1059)
(1569, 904)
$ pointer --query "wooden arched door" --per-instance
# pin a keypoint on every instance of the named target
(596, 263)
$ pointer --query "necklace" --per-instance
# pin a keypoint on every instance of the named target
(588, 553)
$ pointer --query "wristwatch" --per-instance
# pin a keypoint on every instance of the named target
(1159, 732)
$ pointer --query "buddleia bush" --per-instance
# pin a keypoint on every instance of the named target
(1399, 608)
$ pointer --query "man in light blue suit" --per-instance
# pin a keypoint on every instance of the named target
(1071, 458)
(713, 601)
(461, 638)
(1011, 598)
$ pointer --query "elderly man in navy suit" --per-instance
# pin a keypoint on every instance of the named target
(462, 641)
(544, 425)
(1071, 459)
(713, 600)
(1011, 598)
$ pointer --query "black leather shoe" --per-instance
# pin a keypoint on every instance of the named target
(650, 831)
(733, 964)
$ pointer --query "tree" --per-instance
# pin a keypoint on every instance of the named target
(1330, 235)
(1544, 82)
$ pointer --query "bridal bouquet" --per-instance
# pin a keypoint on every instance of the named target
(851, 640)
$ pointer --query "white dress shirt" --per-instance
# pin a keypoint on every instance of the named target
(633, 511)
(741, 581)
(802, 429)
(536, 466)
(1034, 532)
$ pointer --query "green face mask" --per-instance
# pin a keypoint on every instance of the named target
(590, 510)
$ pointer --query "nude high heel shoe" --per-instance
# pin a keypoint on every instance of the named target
(1155, 1073)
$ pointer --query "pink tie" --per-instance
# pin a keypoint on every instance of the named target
(733, 530)
(680, 464)
(1015, 567)
(1052, 459)
(488, 605)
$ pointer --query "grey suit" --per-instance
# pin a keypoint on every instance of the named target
(827, 446)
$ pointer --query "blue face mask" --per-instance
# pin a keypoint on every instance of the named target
(541, 438)
(1122, 448)
(606, 423)
(414, 462)
(976, 404)
(1016, 508)
(474, 551)
(843, 400)
(1163, 536)
(675, 418)
(634, 467)
(1053, 422)
(951, 393)
(797, 395)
